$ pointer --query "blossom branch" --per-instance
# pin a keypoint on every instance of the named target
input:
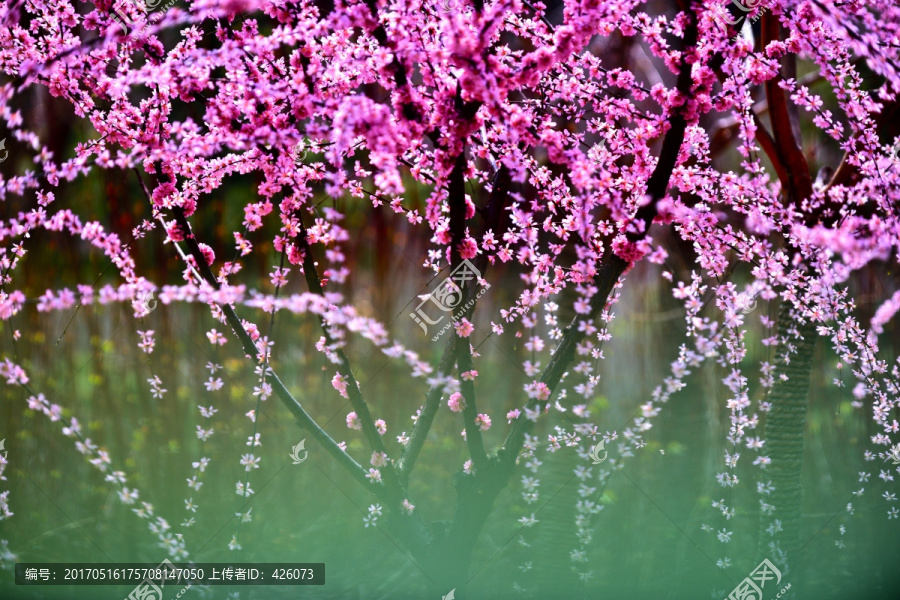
(611, 269)
(409, 108)
(847, 173)
(391, 493)
(250, 349)
(612, 266)
(356, 398)
(673, 140)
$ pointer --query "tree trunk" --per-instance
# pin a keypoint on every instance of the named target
(450, 556)
(785, 432)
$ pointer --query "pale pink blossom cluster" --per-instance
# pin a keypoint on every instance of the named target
(456, 402)
(340, 384)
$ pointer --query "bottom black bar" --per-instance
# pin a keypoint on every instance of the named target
(170, 574)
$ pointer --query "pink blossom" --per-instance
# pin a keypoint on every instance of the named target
(483, 421)
(353, 421)
(340, 384)
(407, 506)
(467, 248)
(628, 251)
(215, 337)
(174, 232)
(464, 328)
(379, 459)
(456, 402)
(538, 390)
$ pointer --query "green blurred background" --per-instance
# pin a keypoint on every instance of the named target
(647, 540)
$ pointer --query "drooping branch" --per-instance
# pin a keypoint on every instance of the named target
(887, 124)
(250, 349)
(476, 494)
(410, 527)
(203, 272)
(610, 270)
(357, 400)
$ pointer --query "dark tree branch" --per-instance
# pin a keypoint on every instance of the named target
(673, 140)
(495, 210)
(410, 527)
(787, 147)
(612, 267)
(493, 214)
(357, 400)
(250, 349)
(457, 199)
(768, 146)
(426, 417)
(409, 109)
(470, 411)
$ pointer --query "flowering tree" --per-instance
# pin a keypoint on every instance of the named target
(540, 152)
